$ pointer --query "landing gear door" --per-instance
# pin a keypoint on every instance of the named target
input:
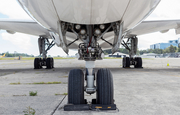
(118, 36)
(40, 45)
(62, 36)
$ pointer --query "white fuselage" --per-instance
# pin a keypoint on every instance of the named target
(49, 12)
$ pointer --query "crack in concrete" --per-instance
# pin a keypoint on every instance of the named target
(58, 106)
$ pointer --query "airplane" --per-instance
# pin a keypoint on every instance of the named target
(3, 55)
(89, 26)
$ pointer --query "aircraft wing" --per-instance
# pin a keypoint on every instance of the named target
(27, 27)
(154, 26)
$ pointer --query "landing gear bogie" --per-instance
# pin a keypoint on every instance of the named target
(39, 63)
(137, 62)
(44, 45)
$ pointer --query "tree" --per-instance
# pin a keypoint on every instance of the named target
(172, 49)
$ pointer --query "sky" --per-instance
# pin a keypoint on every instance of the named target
(23, 43)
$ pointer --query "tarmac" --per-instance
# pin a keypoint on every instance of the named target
(153, 90)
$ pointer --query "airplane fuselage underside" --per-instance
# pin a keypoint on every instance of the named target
(89, 12)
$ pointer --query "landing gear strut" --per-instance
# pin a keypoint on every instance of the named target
(131, 45)
(44, 61)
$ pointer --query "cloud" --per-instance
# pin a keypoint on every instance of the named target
(167, 9)
(22, 41)
(146, 40)
(13, 10)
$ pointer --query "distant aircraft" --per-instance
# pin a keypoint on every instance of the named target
(89, 26)
(3, 55)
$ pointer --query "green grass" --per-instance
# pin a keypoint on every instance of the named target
(65, 94)
(18, 83)
(55, 82)
(36, 83)
(28, 58)
(62, 58)
(148, 58)
(111, 58)
(29, 111)
(15, 58)
(6, 58)
(19, 95)
(31, 93)
(62, 94)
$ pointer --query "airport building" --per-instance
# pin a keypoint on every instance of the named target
(165, 45)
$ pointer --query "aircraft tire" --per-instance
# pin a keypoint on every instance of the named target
(126, 62)
(52, 62)
(139, 62)
(37, 63)
(105, 90)
(40, 64)
(49, 63)
(76, 87)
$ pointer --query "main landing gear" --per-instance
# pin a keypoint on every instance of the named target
(131, 45)
(44, 61)
(39, 62)
(137, 62)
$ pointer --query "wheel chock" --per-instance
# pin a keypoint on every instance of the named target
(80, 107)
(103, 107)
(87, 107)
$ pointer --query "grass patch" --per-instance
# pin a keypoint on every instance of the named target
(63, 58)
(62, 94)
(29, 111)
(6, 58)
(28, 58)
(111, 58)
(148, 58)
(31, 93)
(65, 94)
(36, 83)
(19, 95)
(15, 83)
(55, 82)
